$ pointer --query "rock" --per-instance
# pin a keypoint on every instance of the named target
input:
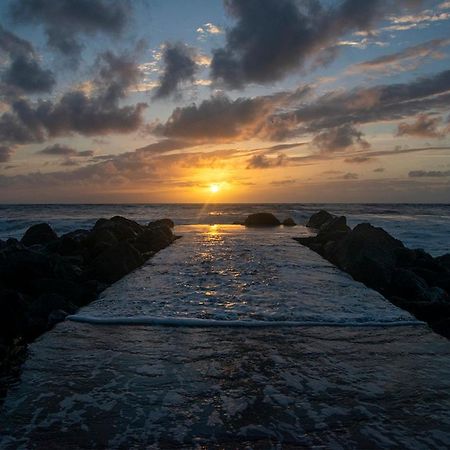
(336, 224)
(121, 227)
(78, 293)
(319, 218)
(368, 254)
(55, 317)
(41, 233)
(164, 222)
(19, 265)
(261, 220)
(13, 313)
(154, 239)
(408, 285)
(289, 222)
(444, 261)
(46, 303)
(115, 262)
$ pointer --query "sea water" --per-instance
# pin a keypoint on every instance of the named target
(236, 338)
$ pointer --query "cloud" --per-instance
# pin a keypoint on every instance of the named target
(209, 29)
(366, 105)
(406, 59)
(5, 153)
(350, 176)
(424, 126)
(265, 162)
(23, 72)
(286, 182)
(65, 20)
(77, 111)
(340, 138)
(63, 150)
(179, 67)
(222, 119)
(274, 37)
(358, 159)
(429, 174)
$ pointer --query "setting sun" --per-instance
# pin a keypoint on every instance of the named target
(214, 188)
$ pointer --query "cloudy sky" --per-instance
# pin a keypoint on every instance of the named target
(228, 101)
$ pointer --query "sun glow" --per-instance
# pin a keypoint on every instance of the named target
(214, 188)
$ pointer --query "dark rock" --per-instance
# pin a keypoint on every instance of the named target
(19, 265)
(368, 254)
(261, 220)
(46, 303)
(444, 261)
(76, 292)
(319, 218)
(115, 262)
(13, 313)
(56, 316)
(289, 222)
(336, 224)
(164, 222)
(154, 239)
(41, 233)
(408, 285)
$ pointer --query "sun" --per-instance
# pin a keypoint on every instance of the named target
(214, 188)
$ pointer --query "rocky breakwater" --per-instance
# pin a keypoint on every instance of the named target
(410, 278)
(44, 277)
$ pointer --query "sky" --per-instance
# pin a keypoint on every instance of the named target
(154, 101)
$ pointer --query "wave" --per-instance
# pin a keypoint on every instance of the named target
(211, 323)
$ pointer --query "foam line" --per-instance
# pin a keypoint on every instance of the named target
(209, 323)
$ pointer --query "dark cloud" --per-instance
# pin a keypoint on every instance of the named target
(179, 67)
(366, 105)
(358, 159)
(425, 126)
(350, 176)
(63, 150)
(283, 182)
(77, 112)
(266, 162)
(23, 73)
(340, 138)
(65, 20)
(429, 174)
(273, 37)
(5, 153)
(222, 119)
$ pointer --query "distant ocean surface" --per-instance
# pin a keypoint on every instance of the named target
(417, 225)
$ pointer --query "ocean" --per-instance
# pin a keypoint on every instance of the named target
(417, 225)
(235, 338)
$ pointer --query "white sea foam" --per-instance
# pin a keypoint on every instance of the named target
(208, 323)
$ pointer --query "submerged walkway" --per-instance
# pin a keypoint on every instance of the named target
(144, 386)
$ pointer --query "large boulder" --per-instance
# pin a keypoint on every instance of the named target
(154, 238)
(289, 222)
(368, 253)
(162, 222)
(261, 220)
(41, 233)
(115, 262)
(13, 313)
(336, 224)
(319, 218)
(122, 228)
